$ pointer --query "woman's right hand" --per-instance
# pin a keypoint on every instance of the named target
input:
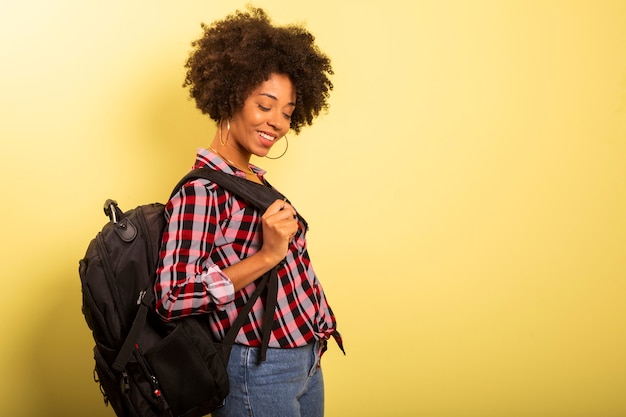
(280, 224)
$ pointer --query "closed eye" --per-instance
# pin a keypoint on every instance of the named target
(266, 109)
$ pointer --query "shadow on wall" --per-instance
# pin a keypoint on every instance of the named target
(158, 148)
(59, 357)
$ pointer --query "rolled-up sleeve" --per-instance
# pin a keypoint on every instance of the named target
(188, 282)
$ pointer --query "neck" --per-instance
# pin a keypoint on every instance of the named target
(250, 175)
(243, 166)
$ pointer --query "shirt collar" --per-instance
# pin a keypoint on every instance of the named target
(206, 158)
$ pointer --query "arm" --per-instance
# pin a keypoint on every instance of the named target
(188, 282)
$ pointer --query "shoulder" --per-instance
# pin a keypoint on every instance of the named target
(201, 196)
(197, 192)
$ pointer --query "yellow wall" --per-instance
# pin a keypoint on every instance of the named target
(466, 194)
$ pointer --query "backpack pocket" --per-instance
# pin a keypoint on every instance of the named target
(109, 383)
(191, 372)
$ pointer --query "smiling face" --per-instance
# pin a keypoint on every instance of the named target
(264, 118)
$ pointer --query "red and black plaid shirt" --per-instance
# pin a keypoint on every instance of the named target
(209, 229)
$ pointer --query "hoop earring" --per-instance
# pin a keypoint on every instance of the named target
(284, 152)
(224, 142)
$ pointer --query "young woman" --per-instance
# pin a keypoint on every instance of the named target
(257, 81)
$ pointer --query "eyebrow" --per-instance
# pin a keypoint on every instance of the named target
(291, 103)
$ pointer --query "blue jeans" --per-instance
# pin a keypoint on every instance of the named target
(288, 384)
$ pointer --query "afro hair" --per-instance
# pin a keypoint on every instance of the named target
(241, 51)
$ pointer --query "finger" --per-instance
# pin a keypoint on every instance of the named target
(289, 209)
(284, 227)
(284, 221)
(275, 207)
(287, 213)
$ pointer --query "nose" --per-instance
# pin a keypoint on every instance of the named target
(276, 121)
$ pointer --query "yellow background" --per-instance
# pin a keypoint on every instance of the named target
(465, 193)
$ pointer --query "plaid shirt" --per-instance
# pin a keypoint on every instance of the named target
(209, 229)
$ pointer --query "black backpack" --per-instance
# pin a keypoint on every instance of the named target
(144, 365)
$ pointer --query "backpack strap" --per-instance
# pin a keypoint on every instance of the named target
(259, 196)
(270, 281)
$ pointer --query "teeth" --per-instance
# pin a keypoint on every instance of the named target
(266, 136)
